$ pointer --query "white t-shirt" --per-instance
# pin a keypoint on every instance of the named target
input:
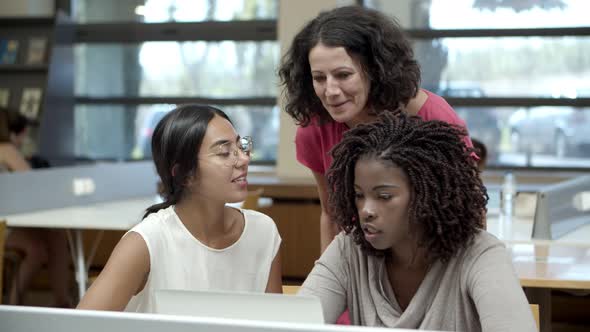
(179, 261)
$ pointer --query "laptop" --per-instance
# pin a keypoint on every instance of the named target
(240, 305)
(33, 319)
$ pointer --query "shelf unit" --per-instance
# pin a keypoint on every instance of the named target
(36, 76)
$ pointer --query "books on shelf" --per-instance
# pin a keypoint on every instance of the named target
(36, 51)
(4, 97)
(30, 102)
(8, 51)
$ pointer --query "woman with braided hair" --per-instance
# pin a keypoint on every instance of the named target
(193, 240)
(413, 253)
(343, 68)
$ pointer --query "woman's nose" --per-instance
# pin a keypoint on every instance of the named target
(332, 88)
(243, 158)
(367, 212)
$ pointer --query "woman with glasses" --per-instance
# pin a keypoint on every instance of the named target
(193, 240)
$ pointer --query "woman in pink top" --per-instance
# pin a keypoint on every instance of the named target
(344, 68)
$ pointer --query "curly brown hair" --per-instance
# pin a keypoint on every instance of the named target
(448, 199)
(368, 36)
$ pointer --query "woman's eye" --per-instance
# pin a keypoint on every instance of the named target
(343, 75)
(223, 154)
(358, 196)
(385, 196)
(319, 78)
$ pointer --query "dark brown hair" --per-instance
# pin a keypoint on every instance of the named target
(4, 126)
(175, 144)
(448, 199)
(368, 36)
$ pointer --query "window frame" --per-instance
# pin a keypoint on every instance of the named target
(584, 102)
(210, 31)
(266, 30)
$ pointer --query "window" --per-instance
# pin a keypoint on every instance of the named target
(516, 71)
(120, 132)
(224, 69)
(135, 60)
(159, 11)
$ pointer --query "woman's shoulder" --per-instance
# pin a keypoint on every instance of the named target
(12, 159)
(259, 220)
(437, 108)
(484, 243)
(344, 246)
(7, 148)
(156, 219)
(346, 256)
(317, 128)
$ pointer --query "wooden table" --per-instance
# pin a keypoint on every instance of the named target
(545, 265)
(553, 266)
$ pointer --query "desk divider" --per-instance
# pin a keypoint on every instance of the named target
(51, 188)
(561, 208)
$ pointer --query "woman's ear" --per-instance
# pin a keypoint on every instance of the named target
(191, 179)
(174, 170)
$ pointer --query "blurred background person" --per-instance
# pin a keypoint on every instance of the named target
(37, 246)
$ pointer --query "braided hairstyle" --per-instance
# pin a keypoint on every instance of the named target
(448, 199)
(175, 144)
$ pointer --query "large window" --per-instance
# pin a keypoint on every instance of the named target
(162, 11)
(135, 60)
(517, 71)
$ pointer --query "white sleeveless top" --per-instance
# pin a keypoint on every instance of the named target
(179, 261)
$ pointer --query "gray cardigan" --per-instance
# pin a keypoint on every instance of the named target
(477, 290)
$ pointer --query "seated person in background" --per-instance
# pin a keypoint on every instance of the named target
(413, 253)
(482, 153)
(38, 245)
(11, 160)
(192, 240)
(19, 127)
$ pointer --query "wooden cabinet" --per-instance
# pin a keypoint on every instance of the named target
(299, 226)
(296, 211)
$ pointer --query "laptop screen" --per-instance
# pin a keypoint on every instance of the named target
(25, 319)
(240, 305)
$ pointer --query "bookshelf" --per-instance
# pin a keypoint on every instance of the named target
(36, 75)
(23, 68)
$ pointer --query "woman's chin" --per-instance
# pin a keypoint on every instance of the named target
(237, 198)
(341, 118)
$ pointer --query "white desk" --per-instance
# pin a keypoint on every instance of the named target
(119, 215)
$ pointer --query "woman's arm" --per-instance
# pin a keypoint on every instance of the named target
(123, 276)
(496, 292)
(275, 278)
(327, 281)
(328, 229)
